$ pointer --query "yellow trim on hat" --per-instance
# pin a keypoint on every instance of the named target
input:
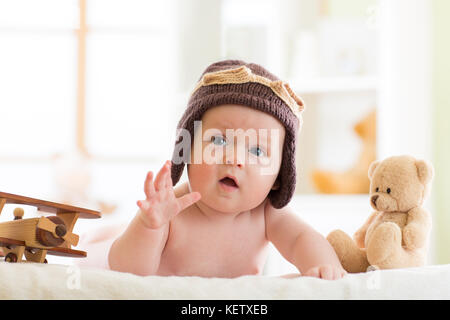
(243, 75)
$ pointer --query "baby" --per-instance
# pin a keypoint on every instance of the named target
(220, 222)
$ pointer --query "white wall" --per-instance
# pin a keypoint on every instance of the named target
(404, 78)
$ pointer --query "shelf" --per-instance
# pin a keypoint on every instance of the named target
(334, 84)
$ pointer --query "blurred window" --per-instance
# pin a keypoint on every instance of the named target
(37, 76)
(128, 66)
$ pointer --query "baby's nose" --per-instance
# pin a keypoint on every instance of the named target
(240, 164)
(233, 155)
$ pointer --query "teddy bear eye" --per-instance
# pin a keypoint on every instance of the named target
(388, 190)
(377, 189)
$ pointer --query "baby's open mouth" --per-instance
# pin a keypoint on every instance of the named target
(229, 182)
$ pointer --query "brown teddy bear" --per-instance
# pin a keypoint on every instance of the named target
(353, 180)
(396, 234)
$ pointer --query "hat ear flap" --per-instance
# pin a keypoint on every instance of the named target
(372, 168)
(176, 172)
(276, 185)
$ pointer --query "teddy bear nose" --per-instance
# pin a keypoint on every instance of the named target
(374, 200)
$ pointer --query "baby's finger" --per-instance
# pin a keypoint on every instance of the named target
(336, 273)
(168, 180)
(326, 273)
(160, 178)
(149, 188)
(143, 205)
(313, 273)
(188, 200)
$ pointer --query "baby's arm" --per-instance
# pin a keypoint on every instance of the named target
(301, 245)
(417, 227)
(138, 250)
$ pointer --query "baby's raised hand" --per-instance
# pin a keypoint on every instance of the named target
(161, 205)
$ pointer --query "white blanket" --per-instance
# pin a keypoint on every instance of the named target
(39, 281)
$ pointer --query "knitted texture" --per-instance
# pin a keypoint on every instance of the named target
(243, 75)
(251, 94)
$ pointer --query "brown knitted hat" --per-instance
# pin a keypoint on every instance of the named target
(248, 84)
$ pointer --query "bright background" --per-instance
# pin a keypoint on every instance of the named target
(91, 92)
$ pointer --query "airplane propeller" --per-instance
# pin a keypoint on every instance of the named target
(58, 229)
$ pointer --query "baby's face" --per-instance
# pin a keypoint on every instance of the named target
(240, 143)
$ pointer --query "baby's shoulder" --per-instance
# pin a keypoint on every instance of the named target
(272, 214)
(263, 211)
(268, 208)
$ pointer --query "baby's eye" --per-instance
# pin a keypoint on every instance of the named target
(377, 189)
(388, 190)
(218, 140)
(257, 151)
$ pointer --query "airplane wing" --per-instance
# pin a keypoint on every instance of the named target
(48, 206)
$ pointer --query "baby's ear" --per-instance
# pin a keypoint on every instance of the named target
(372, 168)
(276, 185)
(425, 171)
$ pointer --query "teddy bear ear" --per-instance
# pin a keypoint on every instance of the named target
(425, 171)
(372, 168)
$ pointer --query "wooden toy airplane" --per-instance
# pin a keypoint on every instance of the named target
(34, 238)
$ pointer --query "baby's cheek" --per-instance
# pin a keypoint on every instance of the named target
(261, 183)
(200, 175)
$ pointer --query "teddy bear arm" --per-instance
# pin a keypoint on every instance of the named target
(360, 235)
(417, 228)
